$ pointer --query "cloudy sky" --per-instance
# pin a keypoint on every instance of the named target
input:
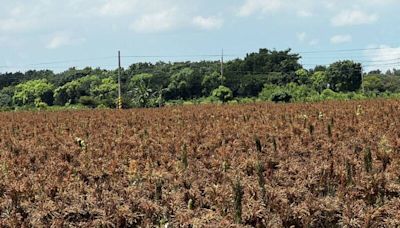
(57, 34)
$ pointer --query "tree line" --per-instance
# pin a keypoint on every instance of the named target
(266, 75)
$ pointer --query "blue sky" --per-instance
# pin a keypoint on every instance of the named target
(55, 34)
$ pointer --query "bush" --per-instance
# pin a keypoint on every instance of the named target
(5, 100)
(107, 103)
(174, 102)
(268, 91)
(287, 93)
(300, 93)
(281, 96)
(233, 102)
(223, 94)
(188, 103)
(356, 96)
(102, 106)
(39, 104)
(329, 94)
(88, 101)
(246, 100)
(209, 100)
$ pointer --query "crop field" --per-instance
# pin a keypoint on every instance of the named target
(333, 164)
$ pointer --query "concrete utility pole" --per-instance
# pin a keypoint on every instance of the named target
(119, 81)
(222, 65)
(362, 79)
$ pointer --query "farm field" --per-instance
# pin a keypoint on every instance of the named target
(332, 164)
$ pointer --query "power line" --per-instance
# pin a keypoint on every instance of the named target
(380, 65)
(169, 56)
(365, 55)
(70, 61)
(335, 51)
(346, 50)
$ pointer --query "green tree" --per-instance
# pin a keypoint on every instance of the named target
(145, 97)
(319, 81)
(5, 100)
(246, 77)
(6, 95)
(300, 93)
(138, 79)
(281, 96)
(211, 82)
(184, 84)
(223, 93)
(72, 91)
(267, 61)
(282, 93)
(67, 93)
(105, 92)
(26, 93)
(373, 83)
(142, 95)
(320, 68)
(391, 83)
(88, 101)
(302, 77)
(329, 94)
(344, 76)
(268, 91)
(74, 74)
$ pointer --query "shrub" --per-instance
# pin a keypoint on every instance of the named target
(88, 101)
(209, 100)
(328, 94)
(281, 96)
(223, 94)
(268, 91)
(5, 100)
(39, 104)
(233, 102)
(246, 100)
(300, 93)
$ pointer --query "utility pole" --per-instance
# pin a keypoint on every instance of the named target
(119, 81)
(222, 66)
(362, 79)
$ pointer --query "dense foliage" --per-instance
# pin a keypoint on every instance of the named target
(331, 164)
(266, 75)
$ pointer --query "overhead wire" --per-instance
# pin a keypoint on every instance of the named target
(55, 64)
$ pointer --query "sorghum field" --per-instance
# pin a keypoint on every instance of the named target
(334, 164)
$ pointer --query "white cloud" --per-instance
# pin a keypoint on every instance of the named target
(345, 4)
(118, 7)
(156, 22)
(303, 37)
(252, 6)
(15, 25)
(303, 8)
(308, 8)
(353, 17)
(339, 39)
(208, 23)
(61, 40)
(383, 57)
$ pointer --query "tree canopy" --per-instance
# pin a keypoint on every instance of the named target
(266, 74)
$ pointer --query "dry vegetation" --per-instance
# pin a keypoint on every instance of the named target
(334, 164)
